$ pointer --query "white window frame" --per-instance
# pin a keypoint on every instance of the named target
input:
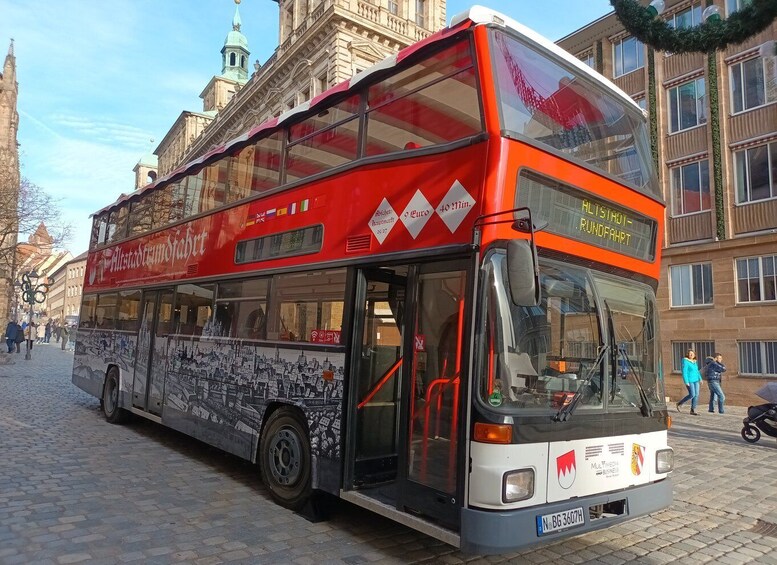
(705, 163)
(742, 161)
(735, 5)
(685, 277)
(393, 7)
(701, 104)
(759, 348)
(588, 58)
(761, 277)
(617, 47)
(769, 95)
(695, 11)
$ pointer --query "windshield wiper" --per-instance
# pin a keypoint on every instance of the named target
(646, 408)
(566, 411)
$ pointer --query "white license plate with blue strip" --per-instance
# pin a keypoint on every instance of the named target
(547, 523)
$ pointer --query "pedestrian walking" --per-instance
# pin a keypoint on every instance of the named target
(65, 332)
(31, 334)
(57, 330)
(19, 338)
(691, 379)
(713, 372)
(10, 335)
(47, 332)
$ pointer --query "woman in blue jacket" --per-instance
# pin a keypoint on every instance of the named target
(691, 378)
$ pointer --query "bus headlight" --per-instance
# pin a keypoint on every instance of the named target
(664, 460)
(518, 485)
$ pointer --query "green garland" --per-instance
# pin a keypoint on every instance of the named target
(653, 110)
(717, 163)
(712, 35)
(599, 57)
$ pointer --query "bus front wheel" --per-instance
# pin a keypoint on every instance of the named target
(284, 459)
(110, 400)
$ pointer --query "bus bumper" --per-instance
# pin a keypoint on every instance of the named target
(485, 532)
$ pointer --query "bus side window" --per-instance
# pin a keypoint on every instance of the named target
(105, 312)
(86, 315)
(194, 305)
(305, 307)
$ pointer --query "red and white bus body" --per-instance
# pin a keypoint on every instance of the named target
(353, 328)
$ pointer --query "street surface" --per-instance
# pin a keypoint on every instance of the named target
(75, 489)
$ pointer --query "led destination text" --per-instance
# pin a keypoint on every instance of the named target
(604, 222)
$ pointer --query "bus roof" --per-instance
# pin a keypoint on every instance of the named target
(476, 15)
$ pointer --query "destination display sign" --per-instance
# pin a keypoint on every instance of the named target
(574, 213)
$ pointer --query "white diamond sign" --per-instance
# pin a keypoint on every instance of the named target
(383, 221)
(455, 206)
(416, 214)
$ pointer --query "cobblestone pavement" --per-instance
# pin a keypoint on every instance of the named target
(75, 489)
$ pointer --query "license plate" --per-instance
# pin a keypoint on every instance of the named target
(548, 523)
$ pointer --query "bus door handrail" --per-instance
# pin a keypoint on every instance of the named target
(383, 380)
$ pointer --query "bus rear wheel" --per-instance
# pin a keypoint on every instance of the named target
(284, 459)
(110, 400)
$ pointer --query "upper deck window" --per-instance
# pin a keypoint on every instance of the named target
(433, 102)
(544, 101)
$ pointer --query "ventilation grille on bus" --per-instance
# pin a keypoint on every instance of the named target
(358, 243)
(192, 269)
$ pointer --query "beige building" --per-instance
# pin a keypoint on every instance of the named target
(321, 43)
(715, 119)
(67, 284)
(9, 179)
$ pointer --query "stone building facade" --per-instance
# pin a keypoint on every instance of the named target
(718, 287)
(9, 179)
(67, 284)
(321, 43)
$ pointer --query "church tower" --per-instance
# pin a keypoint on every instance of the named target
(174, 147)
(9, 179)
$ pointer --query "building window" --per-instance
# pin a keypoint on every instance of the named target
(393, 7)
(685, 19)
(734, 5)
(687, 105)
(702, 349)
(420, 13)
(588, 59)
(758, 358)
(749, 87)
(641, 102)
(691, 284)
(757, 279)
(691, 188)
(323, 83)
(756, 173)
(628, 55)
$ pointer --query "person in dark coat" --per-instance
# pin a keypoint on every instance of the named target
(10, 335)
(713, 372)
(47, 332)
(19, 338)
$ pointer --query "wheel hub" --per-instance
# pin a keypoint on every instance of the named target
(285, 457)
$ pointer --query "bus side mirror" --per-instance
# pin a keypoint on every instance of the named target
(523, 273)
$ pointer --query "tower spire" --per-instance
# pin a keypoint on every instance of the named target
(235, 51)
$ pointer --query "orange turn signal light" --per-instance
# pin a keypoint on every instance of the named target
(668, 421)
(493, 433)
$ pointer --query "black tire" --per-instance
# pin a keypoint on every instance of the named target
(110, 400)
(284, 459)
(751, 434)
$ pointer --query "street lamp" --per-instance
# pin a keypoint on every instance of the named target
(32, 293)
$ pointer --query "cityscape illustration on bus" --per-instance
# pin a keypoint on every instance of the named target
(429, 291)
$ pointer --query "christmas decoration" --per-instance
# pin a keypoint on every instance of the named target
(714, 34)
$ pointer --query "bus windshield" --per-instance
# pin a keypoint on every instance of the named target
(558, 107)
(540, 357)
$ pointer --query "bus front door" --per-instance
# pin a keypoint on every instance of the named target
(151, 357)
(409, 351)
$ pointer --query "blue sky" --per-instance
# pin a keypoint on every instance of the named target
(99, 80)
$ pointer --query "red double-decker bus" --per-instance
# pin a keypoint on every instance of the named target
(429, 290)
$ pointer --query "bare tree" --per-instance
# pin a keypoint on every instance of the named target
(22, 214)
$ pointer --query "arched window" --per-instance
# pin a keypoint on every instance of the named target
(232, 59)
(242, 61)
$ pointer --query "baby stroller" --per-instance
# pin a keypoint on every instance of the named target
(762, 418)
